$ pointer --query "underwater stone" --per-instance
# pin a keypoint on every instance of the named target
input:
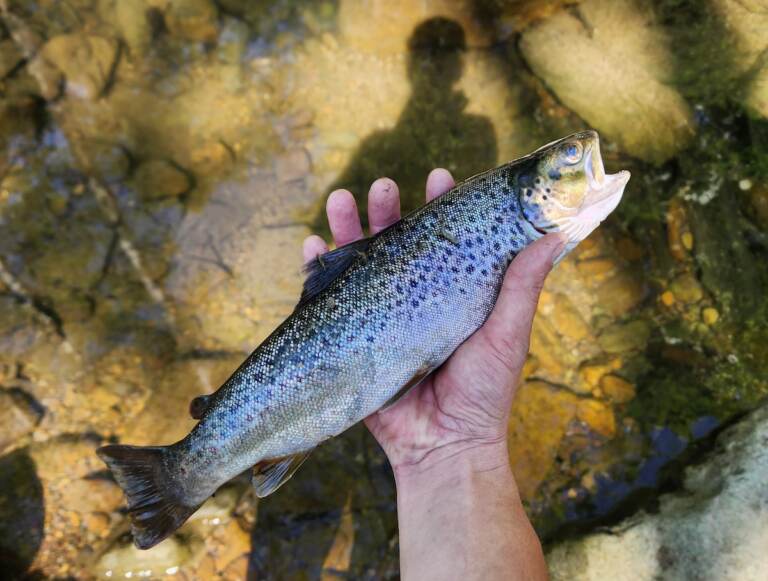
(716, 527)
(130, 18)
(10, 56)
(86, 63)
(686, 289)
(294, 164)
(598, 416)
(611, 65)
(157, 178)
(123, 560)
(539, 421)
(193, 20)
(625, 337)
(617, 389)
(747, 21)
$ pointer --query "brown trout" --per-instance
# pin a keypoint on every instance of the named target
(374, 318)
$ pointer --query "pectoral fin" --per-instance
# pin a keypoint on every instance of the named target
(269, 475)
(420, 375)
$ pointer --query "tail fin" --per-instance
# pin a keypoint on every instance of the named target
(152, 495)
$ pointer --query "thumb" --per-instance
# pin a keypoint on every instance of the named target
(508, 328)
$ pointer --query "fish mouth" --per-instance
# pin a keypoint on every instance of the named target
(604, 190)
(603, 194)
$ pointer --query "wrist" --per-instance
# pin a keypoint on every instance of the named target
(452, 464)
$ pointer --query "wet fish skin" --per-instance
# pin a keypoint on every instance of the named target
(375, 316)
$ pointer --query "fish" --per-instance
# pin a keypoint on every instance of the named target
(374, 318)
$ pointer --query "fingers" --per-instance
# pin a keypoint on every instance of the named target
(383, 204)
(508, 328)
(343, 218)
(439, 181)
(313, 246)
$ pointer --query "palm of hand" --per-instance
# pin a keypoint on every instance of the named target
(466, 401)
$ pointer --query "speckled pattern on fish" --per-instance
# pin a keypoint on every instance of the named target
(375, 317)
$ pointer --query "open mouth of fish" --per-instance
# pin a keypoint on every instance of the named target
(605, 190)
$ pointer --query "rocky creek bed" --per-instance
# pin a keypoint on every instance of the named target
(164, 160)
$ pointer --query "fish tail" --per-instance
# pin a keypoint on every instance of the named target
(153, 496)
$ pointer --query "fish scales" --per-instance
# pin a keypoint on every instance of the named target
(375, 317)
(407, 304)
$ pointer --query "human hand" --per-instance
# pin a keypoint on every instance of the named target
(464, 405)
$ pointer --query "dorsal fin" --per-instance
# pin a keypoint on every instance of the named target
(269, 475)
(324, 269)
(198, 406)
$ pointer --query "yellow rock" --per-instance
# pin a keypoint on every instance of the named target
(625, 337)
(667, 298)
(617, 388)
(596, 269)
(710, 316)
(620, 293)
(592, 372)
(539, 420)
(530, 366)
(598, 416)
(568, 320)
(678, 230)
(687, 289)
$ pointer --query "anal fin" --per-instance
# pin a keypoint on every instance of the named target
(269, 475)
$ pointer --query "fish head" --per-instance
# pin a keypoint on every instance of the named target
(566, 188)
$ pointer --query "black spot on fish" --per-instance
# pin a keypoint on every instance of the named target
(554, 174)
(415, 303)
(545, 197)
(470, 269)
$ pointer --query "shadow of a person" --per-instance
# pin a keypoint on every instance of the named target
(432, 130)
(22, 515)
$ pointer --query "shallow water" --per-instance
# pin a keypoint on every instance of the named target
(165, 159)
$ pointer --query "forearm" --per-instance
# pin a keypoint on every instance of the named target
(460, 517)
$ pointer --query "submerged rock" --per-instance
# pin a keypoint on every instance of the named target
(86, 63)
(715, 528)
(193, 19)
(746, 21)
(609, 62)
(10, 56)
(158, 179)
(123, 560)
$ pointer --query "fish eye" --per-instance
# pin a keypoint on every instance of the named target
(572, 152)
